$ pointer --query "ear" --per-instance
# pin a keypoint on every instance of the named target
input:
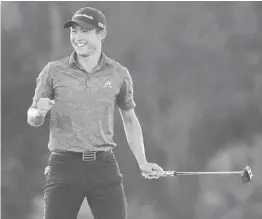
(102, 34)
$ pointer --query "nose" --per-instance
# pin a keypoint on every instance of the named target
(77, 37)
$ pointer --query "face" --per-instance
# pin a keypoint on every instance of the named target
(85, 42)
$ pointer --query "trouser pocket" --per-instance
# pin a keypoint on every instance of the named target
(57, 170)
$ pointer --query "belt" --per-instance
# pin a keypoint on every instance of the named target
(85, 156)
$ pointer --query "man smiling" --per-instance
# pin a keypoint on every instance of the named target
(81, 91)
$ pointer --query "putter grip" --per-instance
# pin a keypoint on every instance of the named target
(169, 173)
(162, 174)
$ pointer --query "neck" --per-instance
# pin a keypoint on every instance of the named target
(90, 62)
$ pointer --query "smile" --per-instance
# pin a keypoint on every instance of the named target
(80, 44)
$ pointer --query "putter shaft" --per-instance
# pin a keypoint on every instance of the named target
(174, 173)
(208, 173)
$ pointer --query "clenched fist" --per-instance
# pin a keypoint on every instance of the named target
(44, 105)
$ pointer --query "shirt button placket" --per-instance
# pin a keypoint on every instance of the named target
(87, 80)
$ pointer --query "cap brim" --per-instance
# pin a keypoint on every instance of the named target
(80, 23)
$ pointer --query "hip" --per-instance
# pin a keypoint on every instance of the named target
(67, 167)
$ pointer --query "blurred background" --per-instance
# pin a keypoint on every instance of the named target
(196, 68)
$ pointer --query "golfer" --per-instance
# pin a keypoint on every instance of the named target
(81, 93)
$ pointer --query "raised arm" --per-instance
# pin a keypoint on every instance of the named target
(42, 102)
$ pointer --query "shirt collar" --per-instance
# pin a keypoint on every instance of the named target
(102, 62)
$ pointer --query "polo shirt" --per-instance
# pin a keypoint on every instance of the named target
(82, 117)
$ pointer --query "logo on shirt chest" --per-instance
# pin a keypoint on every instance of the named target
(103, 88)
(107, 84)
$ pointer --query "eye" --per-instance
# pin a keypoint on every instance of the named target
(86, 31)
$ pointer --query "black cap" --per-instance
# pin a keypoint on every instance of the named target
(88, 18)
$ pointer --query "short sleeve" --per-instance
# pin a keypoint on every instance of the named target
(125, 98)
(43, 85)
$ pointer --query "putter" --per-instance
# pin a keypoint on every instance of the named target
(246, 174)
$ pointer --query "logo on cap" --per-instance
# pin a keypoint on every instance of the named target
(84, 15)
(101, 25)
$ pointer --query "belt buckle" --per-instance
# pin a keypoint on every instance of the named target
(89, 155)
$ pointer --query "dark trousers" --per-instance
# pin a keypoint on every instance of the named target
(69, 180)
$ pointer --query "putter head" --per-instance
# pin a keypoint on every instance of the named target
(247, 175)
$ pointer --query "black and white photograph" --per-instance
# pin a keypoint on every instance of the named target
(131, 109)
